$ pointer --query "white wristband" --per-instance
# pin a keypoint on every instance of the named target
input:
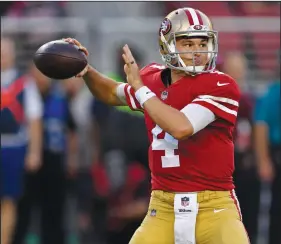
(143, 94)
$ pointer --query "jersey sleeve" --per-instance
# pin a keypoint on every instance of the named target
(222, 99)
(127, 94)
(131, 99)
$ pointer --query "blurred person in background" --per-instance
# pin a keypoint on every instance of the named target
(119, 131)
(80, 97)
(267, 122)
(120, 127)
(47, 188)
(121, 191)
(245, 175)
(21, 134)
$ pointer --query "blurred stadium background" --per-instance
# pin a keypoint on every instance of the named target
(250, 29)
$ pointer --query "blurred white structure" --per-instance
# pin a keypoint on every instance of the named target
(144, 33)
(30, 33)
(103, 36)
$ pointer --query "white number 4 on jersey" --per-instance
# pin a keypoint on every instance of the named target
(168, 144)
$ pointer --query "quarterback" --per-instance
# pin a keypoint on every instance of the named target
(190, 111)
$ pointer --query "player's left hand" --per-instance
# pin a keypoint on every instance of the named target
(131, 69)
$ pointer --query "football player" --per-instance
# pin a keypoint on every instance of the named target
(190, 111)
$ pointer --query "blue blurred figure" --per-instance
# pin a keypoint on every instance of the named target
(47, 188)
(245, 175)
(21, 135)
(267, 144)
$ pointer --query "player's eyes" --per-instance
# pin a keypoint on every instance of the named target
(190, 45)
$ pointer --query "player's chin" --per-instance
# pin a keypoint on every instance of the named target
(192, 64)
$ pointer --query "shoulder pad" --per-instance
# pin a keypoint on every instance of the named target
(151, 68)
(221, 75)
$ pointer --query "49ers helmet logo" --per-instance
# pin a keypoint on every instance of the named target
(197, 27)
(165, 27)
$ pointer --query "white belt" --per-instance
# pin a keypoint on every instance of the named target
(186, 210)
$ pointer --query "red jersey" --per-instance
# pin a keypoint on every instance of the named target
(204, 161)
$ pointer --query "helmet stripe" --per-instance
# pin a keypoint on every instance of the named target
(199, 17)
(195, 20)
(188, 14)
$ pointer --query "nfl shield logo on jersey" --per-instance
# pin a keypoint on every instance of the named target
(185, 201)
(164, 95)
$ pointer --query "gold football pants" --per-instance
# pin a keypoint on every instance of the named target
(218, 220)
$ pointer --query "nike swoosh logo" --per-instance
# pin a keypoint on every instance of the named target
(218, 210)
(222, 84)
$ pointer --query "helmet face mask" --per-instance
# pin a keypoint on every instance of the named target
(177, 25)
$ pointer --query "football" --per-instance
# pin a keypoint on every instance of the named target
(60, 60)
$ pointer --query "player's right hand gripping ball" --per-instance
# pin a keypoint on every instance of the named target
(62, 59)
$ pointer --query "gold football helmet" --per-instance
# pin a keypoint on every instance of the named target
(191, 23)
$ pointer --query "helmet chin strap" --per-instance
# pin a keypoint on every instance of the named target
(190, 68)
